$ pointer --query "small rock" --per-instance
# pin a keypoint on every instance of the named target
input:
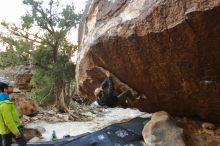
(35, 118)
(66, 118)
(88, 114)
(54, 119)
(33, 140)
(59, 116)
(200, 131)
(208, 126)
(26, 118)
(41, 116)
(209, 132)
(185, 119)
(51, 112)
(30, 133)
(40, 129)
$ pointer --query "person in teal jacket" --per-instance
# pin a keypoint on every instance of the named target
(9, 119)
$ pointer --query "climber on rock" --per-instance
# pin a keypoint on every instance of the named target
(105, 94)
(9, 119)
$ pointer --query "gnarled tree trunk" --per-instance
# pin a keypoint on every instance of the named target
(60, 97)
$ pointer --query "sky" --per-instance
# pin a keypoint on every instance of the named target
(12, 10)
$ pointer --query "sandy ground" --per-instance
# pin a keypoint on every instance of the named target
(107, 117)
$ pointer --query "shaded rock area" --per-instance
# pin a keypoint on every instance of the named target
(164, 130)
(167, 50)
(199, 133)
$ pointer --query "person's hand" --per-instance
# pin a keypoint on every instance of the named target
(20, 127)
(18, 135)
(108, 74)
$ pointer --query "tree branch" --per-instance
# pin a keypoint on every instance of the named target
(43, 14)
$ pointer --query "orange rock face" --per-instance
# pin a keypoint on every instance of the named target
(168, 50)
(23, 105)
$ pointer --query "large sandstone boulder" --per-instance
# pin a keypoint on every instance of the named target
(20, 74)
(167, 50)
(24, 105)
(23, 75)
(161, 130)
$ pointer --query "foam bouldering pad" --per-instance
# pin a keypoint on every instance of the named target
(121, 134)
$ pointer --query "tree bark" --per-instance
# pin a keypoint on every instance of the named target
(67, 93)
(60, 103)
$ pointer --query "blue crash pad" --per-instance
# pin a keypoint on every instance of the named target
(122, 134)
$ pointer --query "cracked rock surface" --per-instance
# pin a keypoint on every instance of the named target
(167, 50)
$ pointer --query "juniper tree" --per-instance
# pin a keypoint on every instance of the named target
(41, 40)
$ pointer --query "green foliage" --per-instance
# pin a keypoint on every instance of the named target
(41, 40)
(43, 85)
(47, 73)
(16, 53)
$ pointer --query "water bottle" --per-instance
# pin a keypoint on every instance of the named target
(54, 136)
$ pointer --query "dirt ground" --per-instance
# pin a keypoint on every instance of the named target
(198, 132)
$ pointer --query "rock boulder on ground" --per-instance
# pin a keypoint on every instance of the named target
(161, 130)
(24, 105)
(30, 133)
(167, 50)
(20, 74)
